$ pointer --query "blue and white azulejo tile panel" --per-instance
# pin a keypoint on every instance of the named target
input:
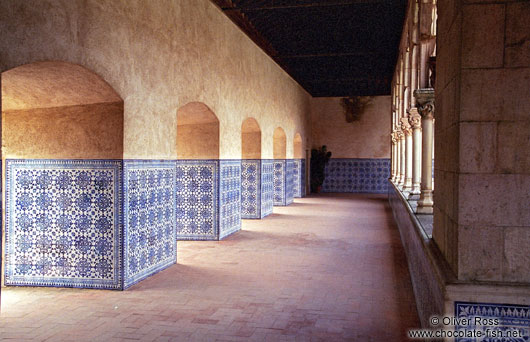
(279, 182)
(267, 187)
(289, 181)
(356, 175)
(63, 223)
(509, 321)
(197, 189)
(299, 178)
(250, 188)
(150, 237)
(229, 197)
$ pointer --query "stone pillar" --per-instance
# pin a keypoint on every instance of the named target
(407, 131)
(402, 156)
(415, 123)
(425, 100)
(393, 157)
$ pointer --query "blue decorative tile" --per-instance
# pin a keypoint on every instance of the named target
(230, 197)
(267, 187)
(510, 318)
(283, 181)
(250, 188)
(150, 236)
(299, 178)
(356, 175)
(279, 182)
(289, 181)
(63, 223)
(197, 189)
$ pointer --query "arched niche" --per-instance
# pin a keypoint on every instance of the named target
(60, 110)
(279, 144)
(298, 151)
(250, 139)
(197, 132)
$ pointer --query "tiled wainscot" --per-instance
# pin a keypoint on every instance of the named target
(256, 188)
(208, 197)
(357, 175)
(283, 182)
(150, 218)
(65, 226)
(63, 223)
(299, 178)
(511, 319)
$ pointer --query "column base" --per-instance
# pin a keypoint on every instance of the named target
(426, 203)
(415, 192)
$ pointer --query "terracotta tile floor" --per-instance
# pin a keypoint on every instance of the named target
(326, 268)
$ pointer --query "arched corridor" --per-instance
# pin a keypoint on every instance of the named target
(325, 170)
(281, 278)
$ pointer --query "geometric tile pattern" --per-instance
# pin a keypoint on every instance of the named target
(150, 218)
(510, 318)
(197, 188)
(267, 187)
(298, 177)
(356, 175)
(279, 182)
(229, 197)
(63, 223)
(250, 188)
(283, 181)
(289, 181)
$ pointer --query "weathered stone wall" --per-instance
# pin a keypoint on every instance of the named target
(366, 138)
(482, 140)
(159, 56)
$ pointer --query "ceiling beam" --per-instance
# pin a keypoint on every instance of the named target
(375, 80)
(307, 5)
(339, 54)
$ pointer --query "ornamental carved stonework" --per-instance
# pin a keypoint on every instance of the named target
(414, 118)
(393, 135)
(425, 101)
(400, 135)
(405, 126)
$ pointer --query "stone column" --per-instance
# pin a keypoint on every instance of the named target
(415, 123)
(407, 131)
(425, 100)
(394, 144)
(402, 156)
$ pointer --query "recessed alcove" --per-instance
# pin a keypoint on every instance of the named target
(298, 167)
(197, 132)
(256, 174)
(283, 169)
(208, 189)
(67, 187)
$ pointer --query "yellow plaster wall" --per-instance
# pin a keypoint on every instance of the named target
(200, 141)
(74, 132)
(366, 138)
(298, 151)
(158, 56)
(250, 139)
(279, 144)
(59, 110)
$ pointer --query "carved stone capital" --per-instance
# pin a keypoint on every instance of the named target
(414, 118)
(405, 126)
(425, 101)
(394, 137)
(400, 135)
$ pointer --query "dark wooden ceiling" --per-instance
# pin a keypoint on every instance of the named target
(330, 47)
